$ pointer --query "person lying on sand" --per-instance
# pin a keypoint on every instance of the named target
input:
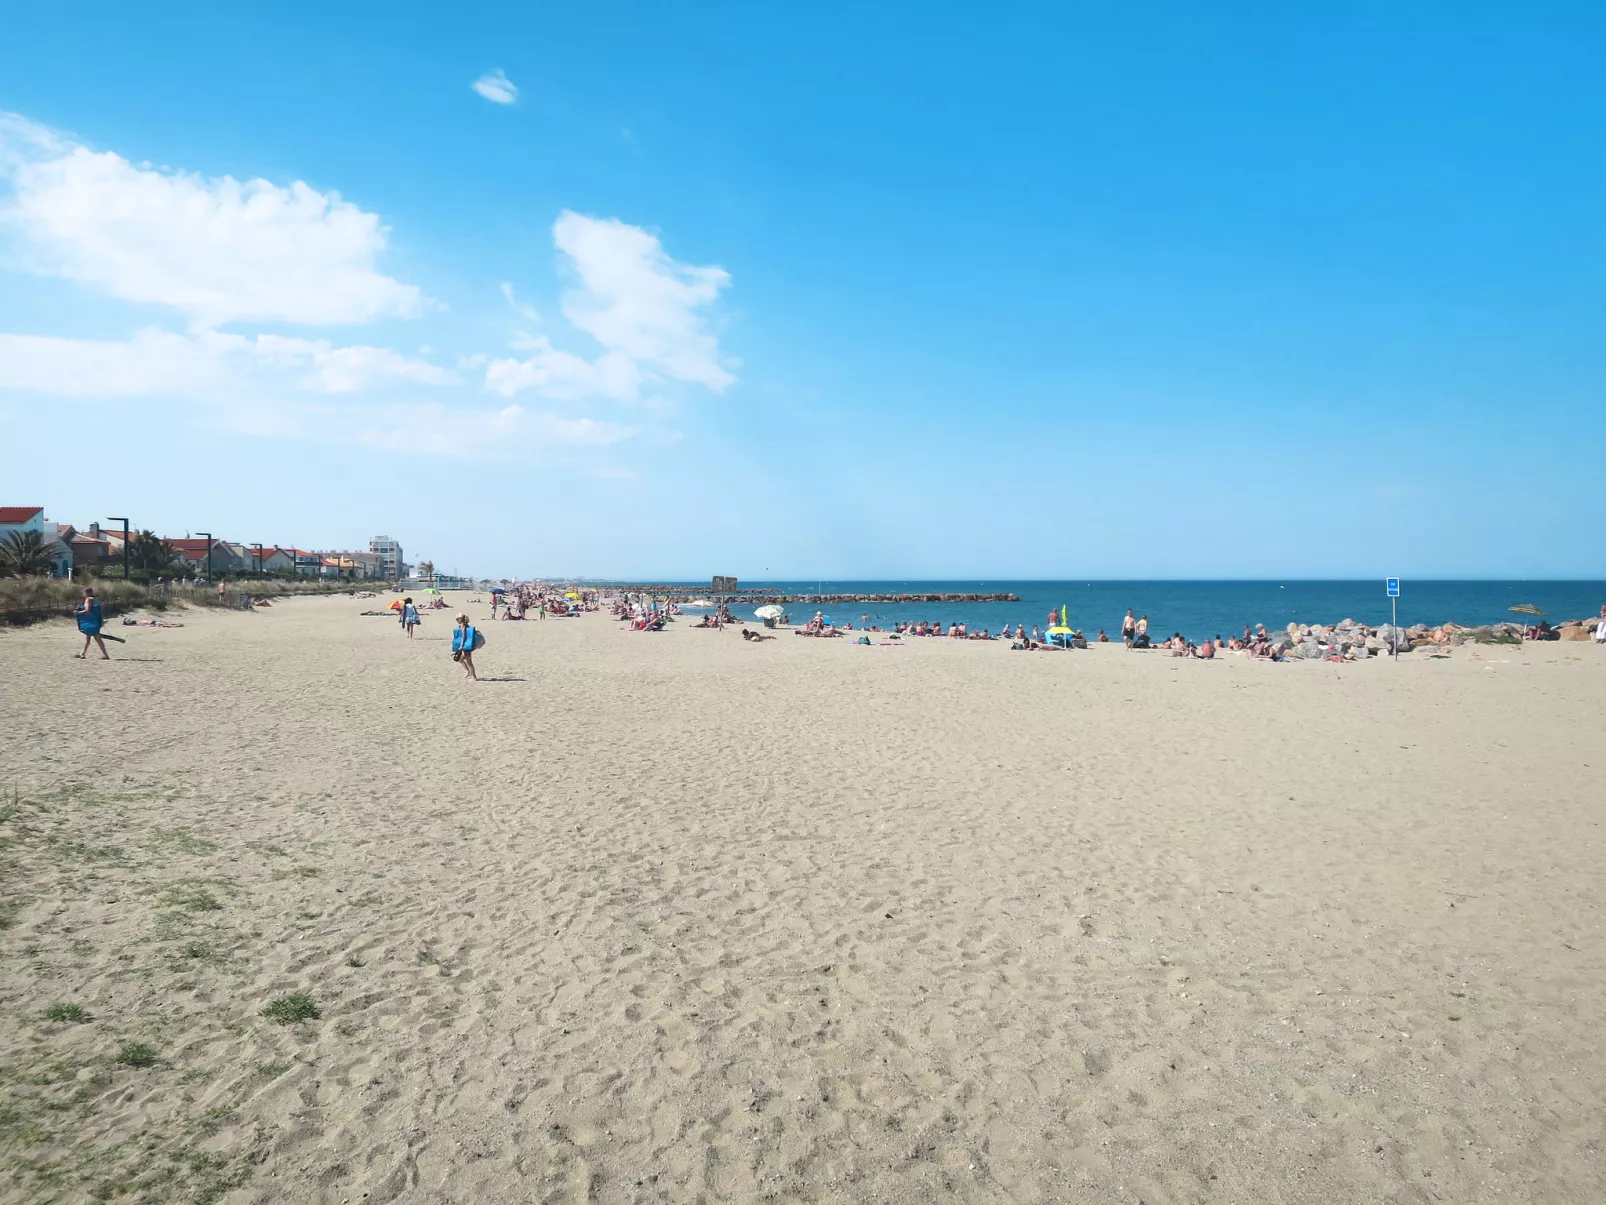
(746, 635)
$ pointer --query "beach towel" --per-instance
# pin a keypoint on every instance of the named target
(89, 619)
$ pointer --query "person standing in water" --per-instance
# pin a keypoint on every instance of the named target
(409, 617)
(463, 641)
(90, 621)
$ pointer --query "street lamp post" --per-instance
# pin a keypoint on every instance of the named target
(208, 536)
(124, 522)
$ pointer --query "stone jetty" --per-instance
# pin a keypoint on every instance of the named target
(1354, 641)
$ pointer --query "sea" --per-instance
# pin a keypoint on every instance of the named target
(1199, 609)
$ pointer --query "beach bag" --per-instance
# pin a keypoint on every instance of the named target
(479, 641)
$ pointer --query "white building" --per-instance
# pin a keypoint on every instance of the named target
(389, 553)
(19, 519)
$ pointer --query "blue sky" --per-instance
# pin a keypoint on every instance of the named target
(923, 291)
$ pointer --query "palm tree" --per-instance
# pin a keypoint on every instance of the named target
(150, 554)
(25, 554)
(426, 569)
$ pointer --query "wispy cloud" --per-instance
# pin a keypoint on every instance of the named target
(201, 365)
(527, 311)
(644, 307)
(562, 374)
(216, 250)
(495, 87)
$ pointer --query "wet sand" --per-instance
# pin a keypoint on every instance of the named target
(669, 917)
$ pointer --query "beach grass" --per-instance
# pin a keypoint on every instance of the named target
(70, 1014)
(25, 600)
(76, 854)
(136, 1054)
(290, 1009)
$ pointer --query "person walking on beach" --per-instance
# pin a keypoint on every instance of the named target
(464, 641)
(90, 621)
(1129, 628)
(409, 617)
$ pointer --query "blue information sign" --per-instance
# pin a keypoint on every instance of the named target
(1392, 586)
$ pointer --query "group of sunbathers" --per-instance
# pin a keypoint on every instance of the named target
(959, 631)
(820, 626)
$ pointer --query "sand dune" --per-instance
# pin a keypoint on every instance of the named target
(674, 918)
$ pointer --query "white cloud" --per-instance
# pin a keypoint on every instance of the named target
(200, 365)
(495, 87)
(644, 307)
(264, 386)
(217, 250)
(562, 374)
(638, 300)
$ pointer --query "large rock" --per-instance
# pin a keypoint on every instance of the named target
(1569, 631)
(1394, 639)
(1374, 644)
(1311, 651)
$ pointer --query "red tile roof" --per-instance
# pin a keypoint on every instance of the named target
(18, 514)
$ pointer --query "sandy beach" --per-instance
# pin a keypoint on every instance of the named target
(671, 917)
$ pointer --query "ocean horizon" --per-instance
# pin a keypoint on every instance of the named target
(1196, 608)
